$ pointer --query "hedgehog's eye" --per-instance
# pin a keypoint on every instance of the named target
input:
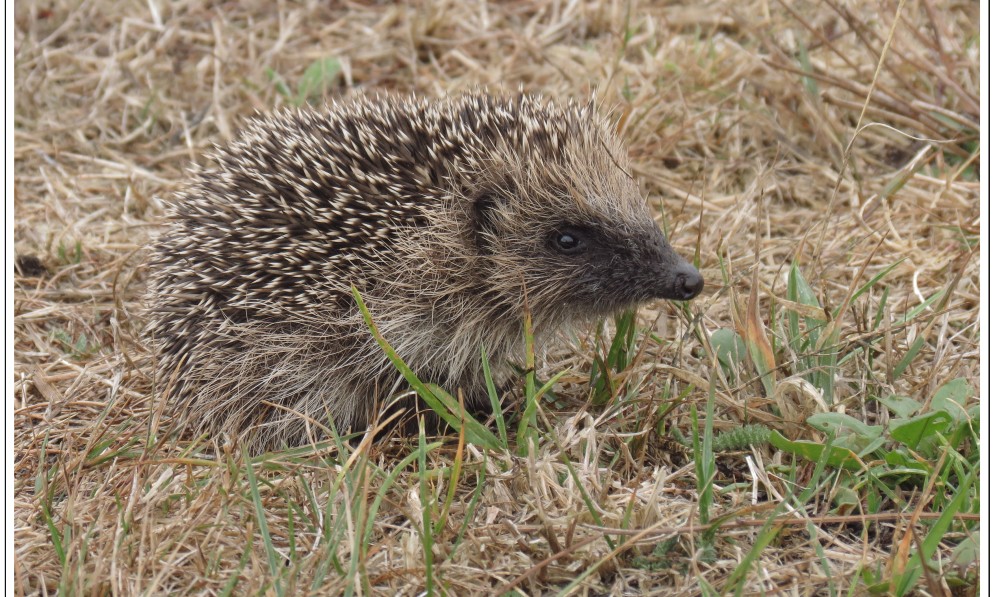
(568, 241)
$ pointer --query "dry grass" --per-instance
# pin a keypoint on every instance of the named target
(738, 115)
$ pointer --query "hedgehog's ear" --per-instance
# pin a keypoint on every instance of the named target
(485, 219)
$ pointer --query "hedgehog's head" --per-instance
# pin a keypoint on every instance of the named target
(557, 210)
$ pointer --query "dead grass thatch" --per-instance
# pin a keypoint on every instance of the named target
(769, 132)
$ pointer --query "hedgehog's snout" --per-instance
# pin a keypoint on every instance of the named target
(688, 282)
(675, 278)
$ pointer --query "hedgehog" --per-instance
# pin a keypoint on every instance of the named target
(451, 217)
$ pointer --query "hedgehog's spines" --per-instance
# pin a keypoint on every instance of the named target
(437, 211)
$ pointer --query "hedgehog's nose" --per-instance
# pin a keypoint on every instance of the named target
(687, 282)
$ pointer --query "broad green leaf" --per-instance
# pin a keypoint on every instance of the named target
(729, 347)
(968, 551)
(846, 498)
(837, 421)
(837, 457)
(319, 76)
(901, 406)
(913, 431)
(901, 462)
(952, 398)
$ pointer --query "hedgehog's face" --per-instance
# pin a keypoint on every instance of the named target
(577, 261)
(620, 266)
(597, 267)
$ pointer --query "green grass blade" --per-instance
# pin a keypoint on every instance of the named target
(272, 556)
(426, 510)
(492, 395)
(439, 401)
(931, 542)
